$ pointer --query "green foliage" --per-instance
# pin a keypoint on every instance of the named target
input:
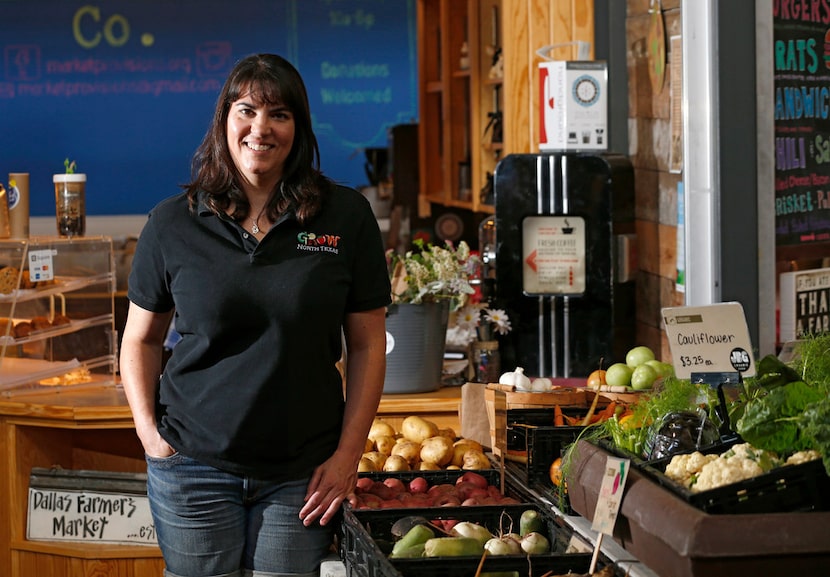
(765, 423)
(816, 425)
(69, 166)
(786, 407)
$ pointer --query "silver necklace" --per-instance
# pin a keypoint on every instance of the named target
(255, 228)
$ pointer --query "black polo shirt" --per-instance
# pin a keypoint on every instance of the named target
(252, 387)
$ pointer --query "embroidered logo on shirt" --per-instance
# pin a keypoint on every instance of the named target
(314, 242)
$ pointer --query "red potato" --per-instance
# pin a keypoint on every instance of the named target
(418, 485)
(390, 504)
(368, 501)
(466, 490)
(446, 500)
(363, 485)
(474, 478)
(396, 485)
(470, 502)
(383, 491)
(494, 491)
(441, 489)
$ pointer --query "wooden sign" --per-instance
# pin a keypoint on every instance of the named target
(89, 506)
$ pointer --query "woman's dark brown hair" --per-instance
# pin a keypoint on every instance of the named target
(273, 80)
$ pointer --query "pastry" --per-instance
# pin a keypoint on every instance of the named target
(22, 329)
(8, 279)
(39, 323)
(60, 320)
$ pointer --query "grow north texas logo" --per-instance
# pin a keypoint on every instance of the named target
(310, 241)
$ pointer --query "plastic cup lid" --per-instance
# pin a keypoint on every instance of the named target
(69, 177)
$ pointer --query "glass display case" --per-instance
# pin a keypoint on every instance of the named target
(56, 313)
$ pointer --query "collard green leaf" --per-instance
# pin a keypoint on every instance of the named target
(772, 423)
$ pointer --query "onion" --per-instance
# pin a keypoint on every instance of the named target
(472, 530)
(535, 543)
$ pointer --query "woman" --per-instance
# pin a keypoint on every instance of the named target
(250, 446)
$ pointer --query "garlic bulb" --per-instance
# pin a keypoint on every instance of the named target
(517, 378)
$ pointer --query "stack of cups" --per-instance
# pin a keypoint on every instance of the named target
(18, 204)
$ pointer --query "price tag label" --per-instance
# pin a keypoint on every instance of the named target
(40, 265)
(610, 495)
(709, 339)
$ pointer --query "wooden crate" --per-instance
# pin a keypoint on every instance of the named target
(567, 393)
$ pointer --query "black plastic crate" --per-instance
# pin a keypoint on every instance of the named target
(790, 488)
(366, 541)
(493, 476)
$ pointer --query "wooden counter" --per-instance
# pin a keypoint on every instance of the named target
(92, 428)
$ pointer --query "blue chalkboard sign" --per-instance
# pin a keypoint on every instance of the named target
(126, 88)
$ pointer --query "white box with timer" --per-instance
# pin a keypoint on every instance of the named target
(573, 105)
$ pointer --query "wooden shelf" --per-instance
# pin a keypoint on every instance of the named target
(451, 131)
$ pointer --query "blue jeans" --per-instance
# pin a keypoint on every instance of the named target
(211, 523)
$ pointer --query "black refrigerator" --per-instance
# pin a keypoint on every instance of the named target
(565, 261)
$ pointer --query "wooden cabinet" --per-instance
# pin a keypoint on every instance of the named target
(92, 429)
(74, 429)
(456, 48)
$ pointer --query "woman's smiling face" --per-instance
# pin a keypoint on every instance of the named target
(260, 137)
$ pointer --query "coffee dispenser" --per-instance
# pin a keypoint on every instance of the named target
(564, 229)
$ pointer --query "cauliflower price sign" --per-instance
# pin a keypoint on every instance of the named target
(710, 339)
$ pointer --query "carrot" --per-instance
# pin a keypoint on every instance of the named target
(605, 413)
(558, 418)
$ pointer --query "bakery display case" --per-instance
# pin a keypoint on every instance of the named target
(56, 313)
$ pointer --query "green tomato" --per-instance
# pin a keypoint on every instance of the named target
(663, 369)
(643, 377)
(618, 375)
(639, 355)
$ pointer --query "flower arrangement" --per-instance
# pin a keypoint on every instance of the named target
(431, 273)
(479, 322)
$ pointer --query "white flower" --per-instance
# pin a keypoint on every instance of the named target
(499, 319)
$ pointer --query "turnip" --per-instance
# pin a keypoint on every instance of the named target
(473, 531)
(535, 543)
(505, 545)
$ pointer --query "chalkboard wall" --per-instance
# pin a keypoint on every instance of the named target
(127, 88)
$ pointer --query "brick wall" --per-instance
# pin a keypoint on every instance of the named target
(656, 188)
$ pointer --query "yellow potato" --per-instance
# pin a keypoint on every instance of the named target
(418, 429)
(396, 463)
(377, 458)
(370, 446)
(449, 432)
(381, 428)
(475, 460)
(366, 465)
(437, 450)
(384, 444)
(409, 450)
(460, 447)
(427, 466)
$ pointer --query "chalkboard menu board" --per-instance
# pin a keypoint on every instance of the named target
(802, 123)
(126, 88)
